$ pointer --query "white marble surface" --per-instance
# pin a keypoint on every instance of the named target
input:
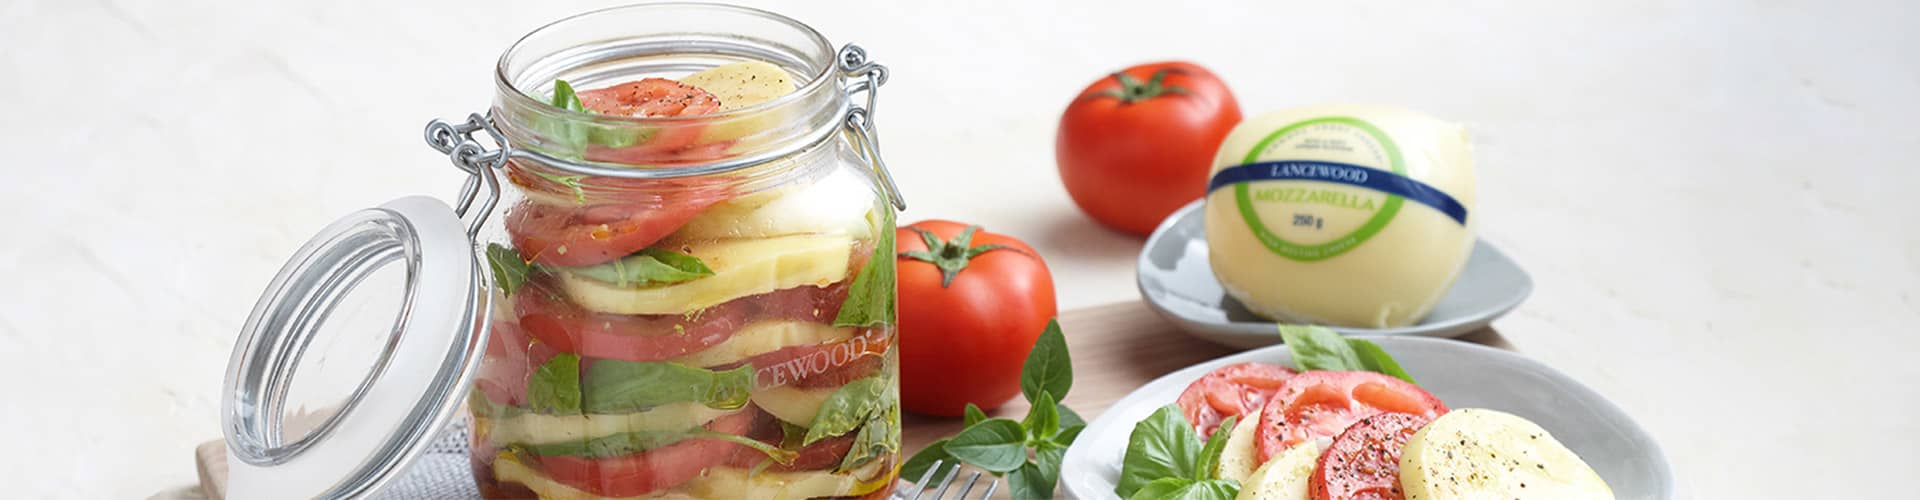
(1714, 197)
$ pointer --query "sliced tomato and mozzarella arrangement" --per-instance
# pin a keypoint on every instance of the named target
(676, 338)
(1350, 432)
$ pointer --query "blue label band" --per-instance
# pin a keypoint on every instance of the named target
(1342, 173)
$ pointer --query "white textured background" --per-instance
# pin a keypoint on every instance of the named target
(1714, 198)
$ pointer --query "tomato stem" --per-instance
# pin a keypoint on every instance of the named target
(1132, 90)
(950, 256)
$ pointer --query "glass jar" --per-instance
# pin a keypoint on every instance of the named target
(669, 273)
(696, 303)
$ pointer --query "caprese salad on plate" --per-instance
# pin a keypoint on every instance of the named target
(1329, 417)
(688, 338)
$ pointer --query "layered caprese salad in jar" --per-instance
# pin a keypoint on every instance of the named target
(722, 335)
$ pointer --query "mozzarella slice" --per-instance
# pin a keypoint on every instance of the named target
(743, 84)
(1240, 458)
(1478, 453)
(793, 405)
(765, 337)
(837, 203)
(740, 268)
(536, 428)
(1285, 477)
(740, 85)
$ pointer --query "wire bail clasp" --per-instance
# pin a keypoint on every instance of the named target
(859, 121)
(472, 157)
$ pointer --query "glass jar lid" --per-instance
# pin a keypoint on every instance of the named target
(358, 353)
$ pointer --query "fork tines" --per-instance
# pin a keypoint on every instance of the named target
(920, 492)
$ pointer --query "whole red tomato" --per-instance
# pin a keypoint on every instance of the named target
(971, 305)
(1137, 145)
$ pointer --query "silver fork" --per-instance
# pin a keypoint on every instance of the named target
(940, 491)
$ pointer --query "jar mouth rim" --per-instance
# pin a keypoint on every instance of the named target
(814, 82)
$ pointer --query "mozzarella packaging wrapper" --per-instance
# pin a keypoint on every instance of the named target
(1345, 215)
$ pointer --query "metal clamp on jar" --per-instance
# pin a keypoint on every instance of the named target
(670, 271)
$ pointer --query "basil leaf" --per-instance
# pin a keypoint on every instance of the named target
(974, 415)
(871, 298)
(554, 387)
(645, 268)
(880, 436)
(846, 408)
(576, 183)
(509, 270)
(1161, 446)
(920, 463)
(1036, 480)
(1043, 420)
(997, 445)
(1376, 359)
(565, 98)
(572, 135)
(790, 435)
(615, 386)
(478, 403)
(1048, 368)
(1180, 488)
(628, 443)
(1068, 434)
(1160, 488)
(1070, 419)
(1210, 453)
(613, 137)
(1319, 348)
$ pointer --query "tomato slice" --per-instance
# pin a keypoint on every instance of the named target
(823, 454)
(1364, 462)
(586, 235)
(651, 470)
(510, 358)
(566, 327)
(651, 98)
(1324, 403)
(1232, 390)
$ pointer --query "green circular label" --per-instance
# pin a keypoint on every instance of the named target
(1347, 138)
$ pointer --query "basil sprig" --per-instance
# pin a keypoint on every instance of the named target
(645, 268)
(870, 297)
(1030, 450)
(1166, 460)
(1319, 348)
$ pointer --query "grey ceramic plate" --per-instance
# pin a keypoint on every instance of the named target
(1461, 374)
(1177, 281)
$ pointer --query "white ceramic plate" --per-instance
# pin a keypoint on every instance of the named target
(1177, 281)
(1461, 374)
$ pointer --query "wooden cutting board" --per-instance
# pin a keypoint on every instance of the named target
(1116, 348)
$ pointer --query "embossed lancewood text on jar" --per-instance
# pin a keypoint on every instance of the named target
(688, 232)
